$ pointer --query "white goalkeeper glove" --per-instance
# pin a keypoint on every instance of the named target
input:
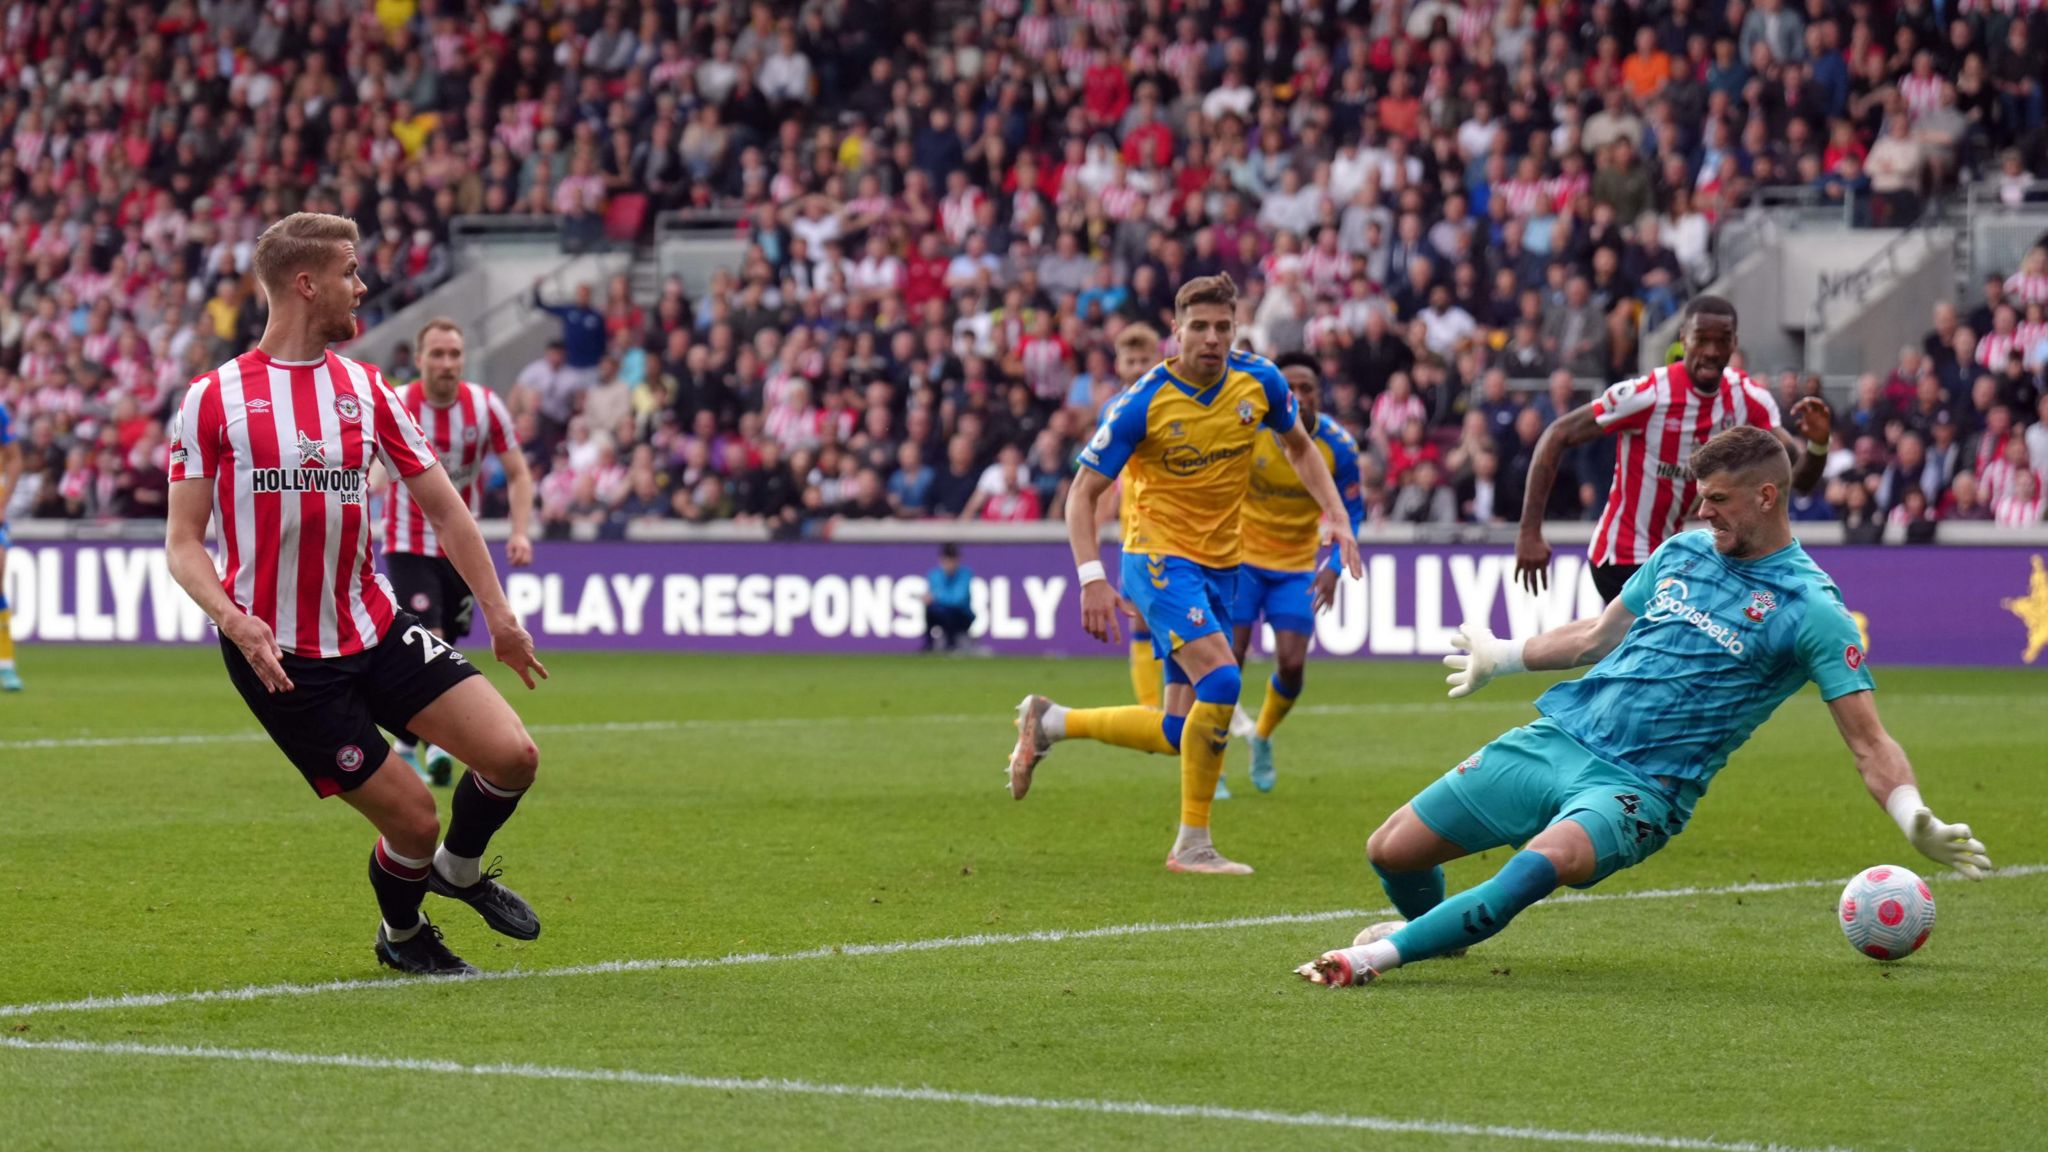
(1480, 656)
(1950, 844)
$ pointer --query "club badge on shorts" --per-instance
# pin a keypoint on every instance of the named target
(349, 758)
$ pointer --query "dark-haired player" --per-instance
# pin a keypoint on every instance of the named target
(275, 448)
(1705, 641)
(1280, 581)
(1660, 418)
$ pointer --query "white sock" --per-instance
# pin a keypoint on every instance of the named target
(461, 871)
(1054, 722)
(7, 665)
(400, 936)
(1380, 956)
(1191, 839)
(402, 747)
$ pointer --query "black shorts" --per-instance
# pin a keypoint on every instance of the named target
(431, 589)
(1608, 579)
(327, 724)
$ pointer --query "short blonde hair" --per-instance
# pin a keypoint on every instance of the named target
(300, 242)
(437, 324)
(1140, 337)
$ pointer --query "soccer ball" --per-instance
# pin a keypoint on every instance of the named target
(1887, 912)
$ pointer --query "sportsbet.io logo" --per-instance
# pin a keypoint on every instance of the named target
(1671, 603)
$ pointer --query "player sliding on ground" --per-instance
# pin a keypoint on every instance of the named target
(1187, 431)
(1702, 645)
(1659, 419)
(464, 423)
(1281, 582)
(276, 446)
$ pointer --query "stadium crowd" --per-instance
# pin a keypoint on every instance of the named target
(1468, 212)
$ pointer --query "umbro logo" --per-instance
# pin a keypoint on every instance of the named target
(258, 405)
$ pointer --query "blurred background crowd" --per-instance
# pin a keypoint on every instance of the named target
(1468, 212)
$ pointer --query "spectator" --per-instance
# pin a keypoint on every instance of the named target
(1963, 502)
(583, 335)
(948, 601)
(1420, 499)
(2019, 506)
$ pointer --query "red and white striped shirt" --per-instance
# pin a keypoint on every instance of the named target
(476, 425)
(289, 447)
(2009, 511)
(2027, 288)
(1661, 418)
(1993, 349)
(957, 213)
(1922, 94)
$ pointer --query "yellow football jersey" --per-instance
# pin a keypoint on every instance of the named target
(1282, 521)
(1190, 451)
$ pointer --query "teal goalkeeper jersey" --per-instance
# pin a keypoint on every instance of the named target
(1717, 645)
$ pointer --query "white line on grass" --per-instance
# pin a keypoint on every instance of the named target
(893, 948)
(999, 716)
(993, 718)
(921, 1095)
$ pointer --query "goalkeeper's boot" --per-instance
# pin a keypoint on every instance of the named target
(1262, 761)
(422, 954)
(1222, 789)
(1032, 744)
(1337, 969)
(502, 908)
(1385, 928)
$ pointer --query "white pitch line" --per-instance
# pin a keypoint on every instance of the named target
(999, 717)
(892, 948)
(921, 1095)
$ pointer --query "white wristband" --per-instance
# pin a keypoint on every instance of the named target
(1903, 804)
(1091, 573)
(1816, 449)
(1508, 660)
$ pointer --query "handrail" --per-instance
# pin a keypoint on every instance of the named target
(1887, 256)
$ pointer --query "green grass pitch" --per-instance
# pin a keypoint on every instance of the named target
(698, 808)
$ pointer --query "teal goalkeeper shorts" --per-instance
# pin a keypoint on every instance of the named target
(1536, 775)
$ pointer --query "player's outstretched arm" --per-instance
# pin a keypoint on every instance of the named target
(1890, 779)
(1308, 464)
(185, 551)
(1481, 655)
(444, 508)
(1814, 423)
(1098, 600)
(1532, 552)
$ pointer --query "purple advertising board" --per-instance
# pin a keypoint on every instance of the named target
(1918, 606)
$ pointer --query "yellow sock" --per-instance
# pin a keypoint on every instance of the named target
(6, 635)
(1275, 709)
(1127, 727)
(1147, 674)
(1201, 760)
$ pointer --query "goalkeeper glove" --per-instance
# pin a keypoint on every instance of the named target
(1950, 844)
(1480, 656)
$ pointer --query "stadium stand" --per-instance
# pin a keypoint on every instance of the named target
(1468, 211)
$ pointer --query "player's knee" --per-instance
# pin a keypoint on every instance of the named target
(517, 766)
(1387, 850)
(1222, 685)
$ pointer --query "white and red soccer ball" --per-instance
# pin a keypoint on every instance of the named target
(1886, 912)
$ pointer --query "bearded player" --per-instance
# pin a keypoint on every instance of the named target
(1660, 419)
(465, 423)
(1187, 431)
(1715, 631)
(274, 448)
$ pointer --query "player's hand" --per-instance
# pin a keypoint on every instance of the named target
(1124, 605)
(519, 551)
(1813, 419)
(1326, 590)
(1477, 659)
(259, 646)
(1532, 562)
(1098, 611)
(513, 646)
(1949, 844)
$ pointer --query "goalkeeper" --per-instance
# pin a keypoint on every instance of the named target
(1703, 644)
